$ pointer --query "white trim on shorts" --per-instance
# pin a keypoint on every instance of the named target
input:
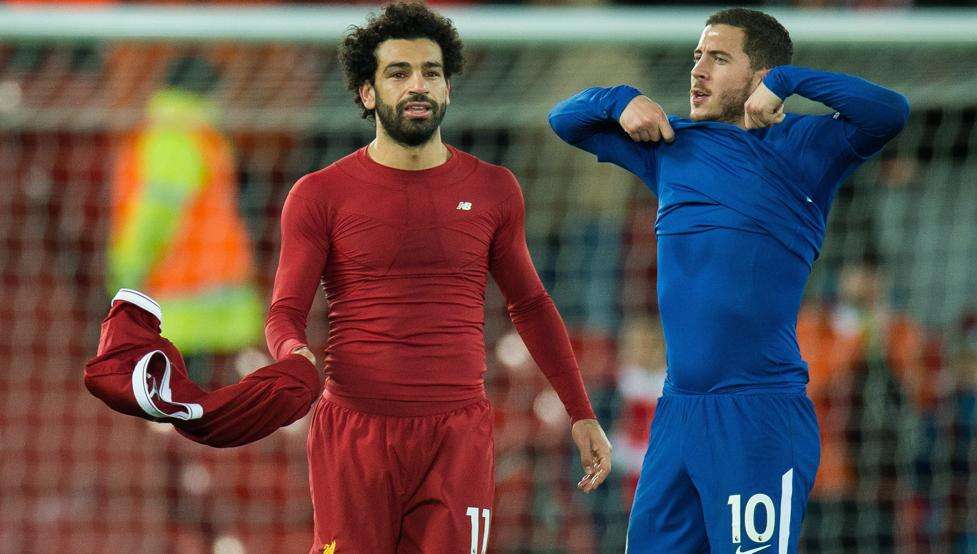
(145, 397)
(141, 300)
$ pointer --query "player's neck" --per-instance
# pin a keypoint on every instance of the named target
(388, 152)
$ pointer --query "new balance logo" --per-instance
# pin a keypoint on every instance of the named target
(750, 551)
(464, 206)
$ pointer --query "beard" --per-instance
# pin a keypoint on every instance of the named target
(731, 104)
(730, 109)
(405, 131)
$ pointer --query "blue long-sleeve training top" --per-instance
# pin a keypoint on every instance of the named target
(741, 218)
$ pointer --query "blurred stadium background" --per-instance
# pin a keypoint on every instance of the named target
(889, 324)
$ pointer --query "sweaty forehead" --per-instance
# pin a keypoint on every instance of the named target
(415, 51)
(722, 37)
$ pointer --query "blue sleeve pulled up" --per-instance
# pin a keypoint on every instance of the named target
(589, 121)
(873, 114)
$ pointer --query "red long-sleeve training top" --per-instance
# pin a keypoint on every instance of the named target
(403, 258)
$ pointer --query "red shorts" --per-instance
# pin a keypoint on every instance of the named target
(389, 483)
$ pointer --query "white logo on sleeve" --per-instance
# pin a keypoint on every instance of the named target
(808, 198)
(464, 206)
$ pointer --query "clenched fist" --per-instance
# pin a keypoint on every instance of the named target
(762, 109)
(644, 120)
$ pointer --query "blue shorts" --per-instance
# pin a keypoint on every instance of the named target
(726, 473)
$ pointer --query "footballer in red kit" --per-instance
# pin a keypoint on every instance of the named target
(402, 235)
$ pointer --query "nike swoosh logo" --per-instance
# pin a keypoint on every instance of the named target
(759, 548)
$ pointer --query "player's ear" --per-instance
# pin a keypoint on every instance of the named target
(447, 93)
(368, 95)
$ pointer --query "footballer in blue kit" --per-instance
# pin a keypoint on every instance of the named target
(744, 191)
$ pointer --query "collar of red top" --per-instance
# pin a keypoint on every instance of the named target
(457, 167)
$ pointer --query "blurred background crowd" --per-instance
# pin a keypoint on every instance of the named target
(214, 135)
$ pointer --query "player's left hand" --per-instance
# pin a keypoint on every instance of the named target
(762, 109)
(595, 453)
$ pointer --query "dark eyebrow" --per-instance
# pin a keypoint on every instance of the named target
(714, 53)
(405, 65)
(397, 65)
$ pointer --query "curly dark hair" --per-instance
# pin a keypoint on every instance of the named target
(400, 20)
(767, 42)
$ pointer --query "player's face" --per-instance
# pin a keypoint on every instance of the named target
(722, 78)
(409, 91)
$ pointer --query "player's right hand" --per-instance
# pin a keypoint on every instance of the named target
(645, 121)
(306, 353)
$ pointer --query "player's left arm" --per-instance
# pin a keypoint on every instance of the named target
(872, 114)
(542, 330)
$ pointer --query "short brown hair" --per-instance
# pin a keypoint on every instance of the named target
(767, 42)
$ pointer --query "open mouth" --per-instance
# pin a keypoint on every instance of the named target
(417, 110)
(698, 96)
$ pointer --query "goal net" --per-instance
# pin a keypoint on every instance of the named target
(889, 323)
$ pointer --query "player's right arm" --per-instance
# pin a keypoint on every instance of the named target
(613, 123)
(304, 250)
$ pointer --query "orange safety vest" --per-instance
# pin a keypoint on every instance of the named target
(210, 248)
